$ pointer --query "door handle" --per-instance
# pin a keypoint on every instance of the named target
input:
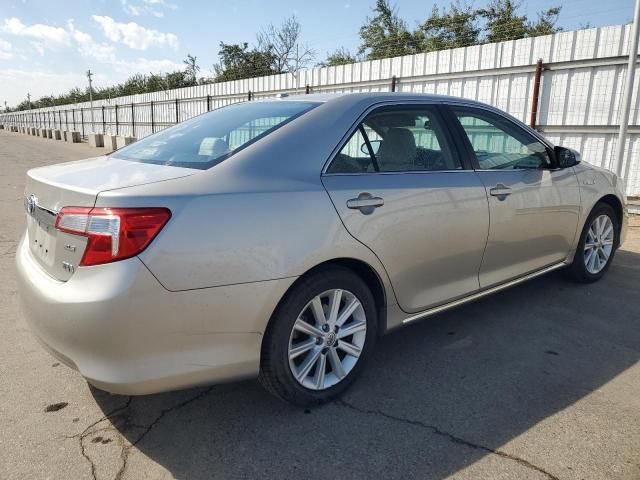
(365, 202)
(500, 191)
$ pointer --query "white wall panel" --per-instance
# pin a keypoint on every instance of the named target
(574, 93)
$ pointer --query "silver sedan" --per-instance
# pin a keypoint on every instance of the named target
(280, 238)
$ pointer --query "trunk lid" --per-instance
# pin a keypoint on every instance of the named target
(77, 184)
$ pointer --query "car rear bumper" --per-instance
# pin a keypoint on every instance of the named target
(127, 334)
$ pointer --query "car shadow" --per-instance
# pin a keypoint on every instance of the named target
(436, 397)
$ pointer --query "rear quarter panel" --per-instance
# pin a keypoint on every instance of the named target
(231, 238)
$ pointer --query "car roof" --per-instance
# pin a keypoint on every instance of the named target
(374, 97)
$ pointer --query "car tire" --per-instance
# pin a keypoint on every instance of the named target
(583, 268)
(282, 366)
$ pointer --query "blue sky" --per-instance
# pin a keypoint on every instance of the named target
(46, 46)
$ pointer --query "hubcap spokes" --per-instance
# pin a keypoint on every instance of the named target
(327, 339)
(599, 244)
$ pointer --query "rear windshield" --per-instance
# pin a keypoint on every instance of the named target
(208, 139)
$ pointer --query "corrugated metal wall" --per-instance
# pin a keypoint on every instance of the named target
(580, 93)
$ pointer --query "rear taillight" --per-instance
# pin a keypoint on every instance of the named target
(113, 233)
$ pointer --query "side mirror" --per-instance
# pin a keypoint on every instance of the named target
(567, 157)
(375, 146)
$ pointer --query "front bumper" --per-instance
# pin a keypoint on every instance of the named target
(127, 334)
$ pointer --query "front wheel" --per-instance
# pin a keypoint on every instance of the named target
(597, 245)
(319, 338)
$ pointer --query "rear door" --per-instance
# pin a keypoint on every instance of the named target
(400, 187)
(534, 207)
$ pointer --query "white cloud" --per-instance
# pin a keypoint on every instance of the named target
(135, 36)
(5, 50)
(16, 83)
(144, 65)
(89, 48)
(46, 35)
(150, 7)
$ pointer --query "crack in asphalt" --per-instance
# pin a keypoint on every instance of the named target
(437, 431)
(124, 453)
(125, 447)
(89, 430)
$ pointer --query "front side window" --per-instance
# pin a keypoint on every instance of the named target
(500, 144)
(208, 139)
(397, 139)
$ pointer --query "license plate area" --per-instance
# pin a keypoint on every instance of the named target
(43, 242)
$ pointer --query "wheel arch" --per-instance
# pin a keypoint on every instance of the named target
(361, 268)
(614, 202)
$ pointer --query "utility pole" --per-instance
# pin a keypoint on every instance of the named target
(29, 100)
(626, 96)
(89, 75)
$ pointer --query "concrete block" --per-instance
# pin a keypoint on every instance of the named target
(96, 140)
(124, 141)
(42, 132)
(48, 133)
(33, 131)
(72, 137)
(110, 143)
(56, 134)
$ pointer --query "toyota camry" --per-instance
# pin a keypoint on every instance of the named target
(280, 238)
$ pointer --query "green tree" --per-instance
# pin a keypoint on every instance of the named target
(457, 27)
(546, 23)
(237, 61)
(502, 21)
(341, 56)
(191, 70)
(386, 34)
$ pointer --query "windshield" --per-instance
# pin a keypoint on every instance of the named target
(208, 139)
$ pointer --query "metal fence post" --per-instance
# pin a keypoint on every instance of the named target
(73, 118)
(104, 124)
(177, 113)
(208, 103)
(133, 120)
(536, 94)
(307, 89)
(249, 95)
(117, 129)
(82, 120)
(153, 125)
(66, 119)
(394, 81)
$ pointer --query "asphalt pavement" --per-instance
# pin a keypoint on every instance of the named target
(539, 382)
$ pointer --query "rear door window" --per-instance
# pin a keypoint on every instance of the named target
(397, 139)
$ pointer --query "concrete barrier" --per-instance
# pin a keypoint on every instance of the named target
(110, 143)
(124, 141)
(72, 136)
(48, 133)
(96, 140)
(56, 134)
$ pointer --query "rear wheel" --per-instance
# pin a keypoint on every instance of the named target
(597, 245)
(319, 338)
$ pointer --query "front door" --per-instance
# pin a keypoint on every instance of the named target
(400, 188)
(534, 207)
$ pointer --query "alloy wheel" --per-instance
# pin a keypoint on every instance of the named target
(598, 244)
(327, 339)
